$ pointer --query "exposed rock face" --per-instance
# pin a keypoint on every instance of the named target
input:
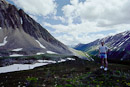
(119, 45)
(21, 31)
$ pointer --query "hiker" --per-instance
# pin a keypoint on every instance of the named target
(103, 50)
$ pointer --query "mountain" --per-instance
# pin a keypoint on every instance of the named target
(80, 47)
(20, 34)
(119, 45)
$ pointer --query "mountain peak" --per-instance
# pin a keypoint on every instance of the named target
(25, 33)
(119, 45)
(4, 2)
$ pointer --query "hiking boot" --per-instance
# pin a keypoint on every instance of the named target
(105, 69)
(101, 67)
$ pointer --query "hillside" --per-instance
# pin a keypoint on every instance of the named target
(119, 45)
(21, 35)
(78, 73)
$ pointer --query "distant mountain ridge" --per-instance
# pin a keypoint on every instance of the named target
(20, 33)
(119, 45)
(80, 47)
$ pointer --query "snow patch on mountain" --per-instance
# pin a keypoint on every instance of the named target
(51, 52)
(19, 67)
(124, 33)
(21, 20)
(16, 55)
(114, 47)
(46, 61)
(40, 53)
(121, 44)
(18, 49)
(70, 59)
(127, 38)
(40, 44)
(4, 42)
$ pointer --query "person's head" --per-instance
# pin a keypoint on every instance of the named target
(102, 43)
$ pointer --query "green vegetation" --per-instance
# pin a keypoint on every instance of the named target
(31, 81)
(81, 53)
(79, 73)
(92, 50)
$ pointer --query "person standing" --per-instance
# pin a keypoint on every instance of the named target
(103, 50)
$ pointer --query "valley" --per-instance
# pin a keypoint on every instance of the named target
(31, 57)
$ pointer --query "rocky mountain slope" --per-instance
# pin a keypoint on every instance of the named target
(119, 45)
(20, 34)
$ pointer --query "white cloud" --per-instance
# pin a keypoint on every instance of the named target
(59, 18)
(94, 16)
(104, 12)
(74, 2)
(37, 7)
(74, 40)
(76, 33)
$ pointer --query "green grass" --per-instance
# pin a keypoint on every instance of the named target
(79, 73)
(81, 53)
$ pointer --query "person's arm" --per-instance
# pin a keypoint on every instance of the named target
(108, 49)
(99, 51)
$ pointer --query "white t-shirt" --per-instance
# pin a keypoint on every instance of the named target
(103, 49)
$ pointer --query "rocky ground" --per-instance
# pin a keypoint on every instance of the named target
(78, 73)
(6, 61)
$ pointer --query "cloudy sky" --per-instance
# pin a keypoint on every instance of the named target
(79, 21)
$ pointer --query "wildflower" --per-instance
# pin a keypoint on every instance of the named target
(128, 84)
